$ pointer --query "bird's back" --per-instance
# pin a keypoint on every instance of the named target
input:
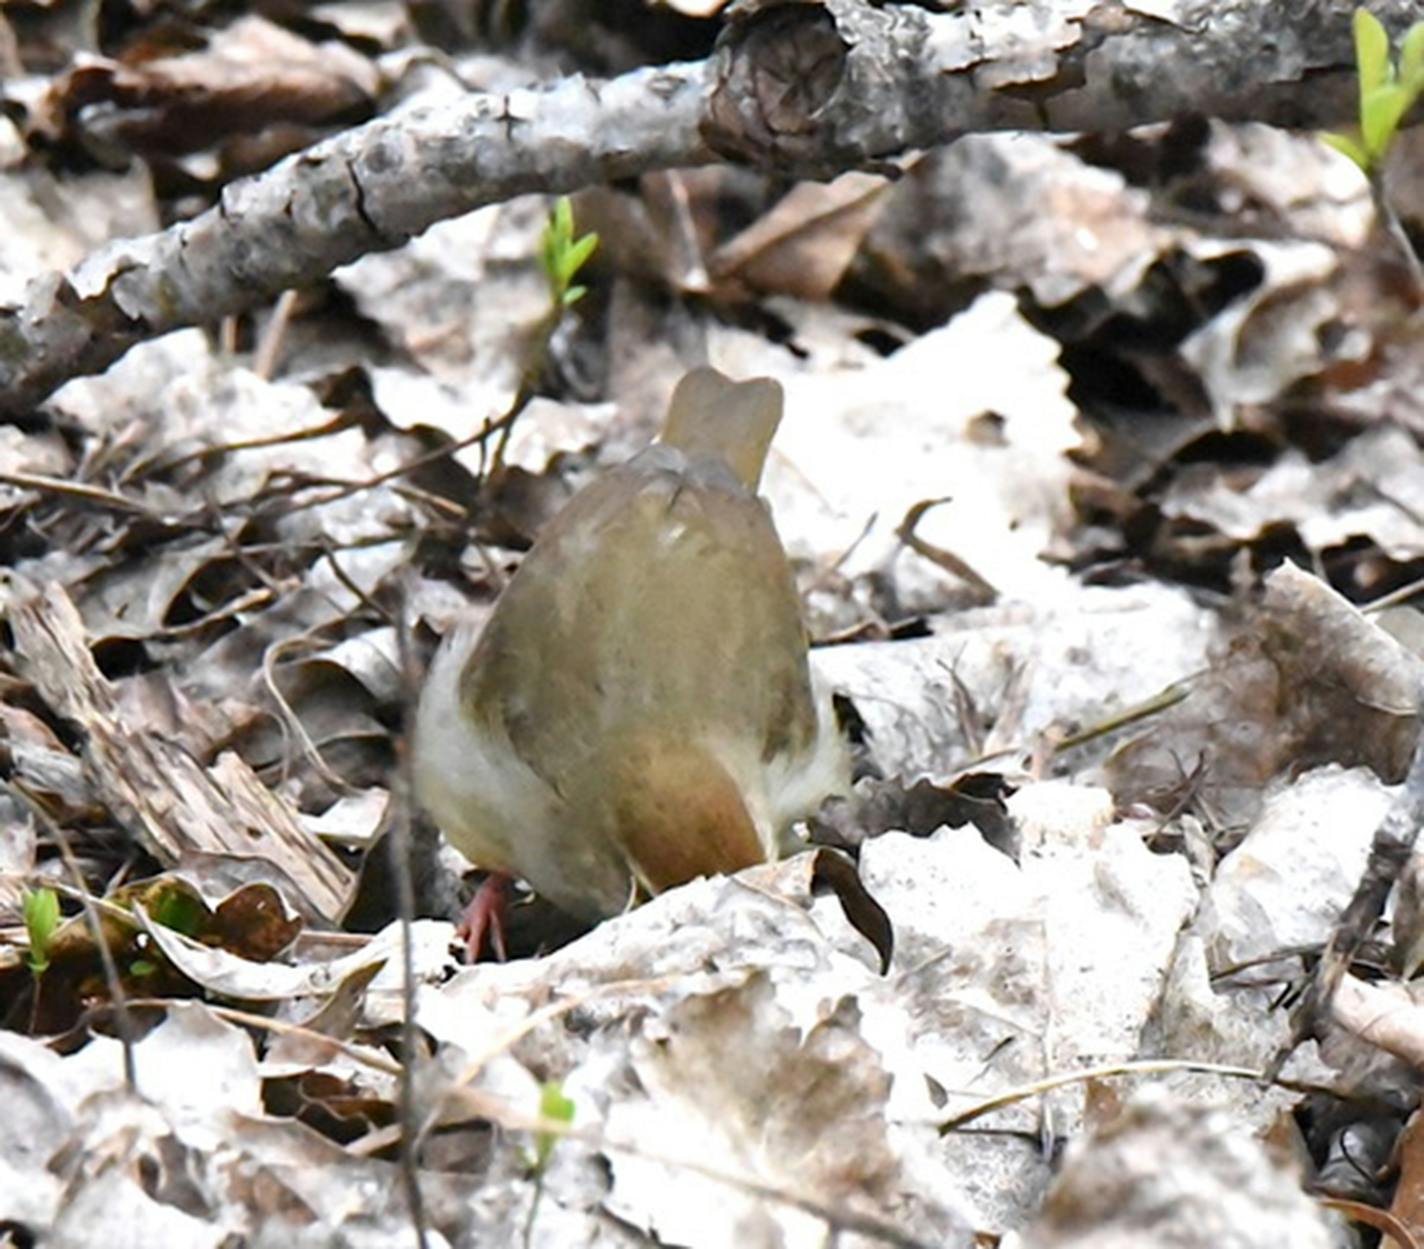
(641, 693)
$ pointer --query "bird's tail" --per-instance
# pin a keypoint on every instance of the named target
(680, 814)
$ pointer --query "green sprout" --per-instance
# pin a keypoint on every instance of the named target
(41, 912)
(562, 255)
(557, 1108)
(553, 1105)
(1388, 89)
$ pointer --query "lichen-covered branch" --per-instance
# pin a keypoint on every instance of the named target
(811, 89)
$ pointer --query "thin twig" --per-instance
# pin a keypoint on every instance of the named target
(1393, 227)
(245, 602)
(983, 590)
(1162, 701)
(363, 1055)
(398, 848)
(347, 489)
(87, 495)
(1402, 594)
(334, 426)
(269, 345)
(1141, 1066)
(289, 718)
(360, 595)
(534, 364)
(1390, 848)
(1373, 1216)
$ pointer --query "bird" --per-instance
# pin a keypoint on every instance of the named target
(639, 708)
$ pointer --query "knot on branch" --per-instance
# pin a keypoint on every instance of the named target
(778, 68)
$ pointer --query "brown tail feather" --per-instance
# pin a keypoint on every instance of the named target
(679, 815)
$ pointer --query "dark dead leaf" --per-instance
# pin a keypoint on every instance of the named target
(919, 808)
(804, 245)
(253, 922)
(250, 75)
(337, 1108)
(836, 872)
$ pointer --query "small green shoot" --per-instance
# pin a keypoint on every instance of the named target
(562, 255)
(41, 912)
(557, 1108)
(554, 1106)
(1388, 90)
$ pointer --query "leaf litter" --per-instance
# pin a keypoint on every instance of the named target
(1093, 453)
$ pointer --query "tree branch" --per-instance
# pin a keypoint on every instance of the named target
(807, 89)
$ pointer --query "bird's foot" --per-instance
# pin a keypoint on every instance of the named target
(483, 919)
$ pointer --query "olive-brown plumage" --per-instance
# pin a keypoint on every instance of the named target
(639, 708)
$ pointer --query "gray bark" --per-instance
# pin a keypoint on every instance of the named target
(807, 88)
